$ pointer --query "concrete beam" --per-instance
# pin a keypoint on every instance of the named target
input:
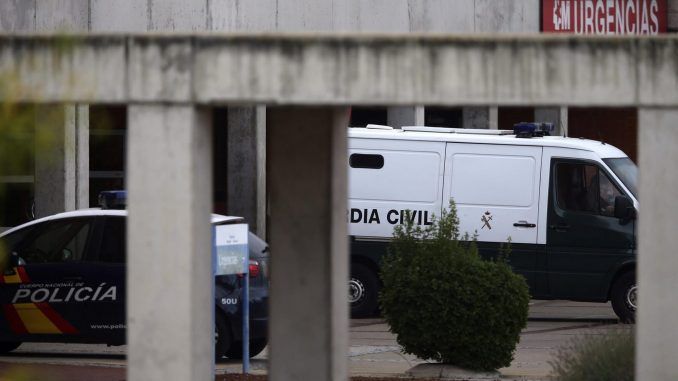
(308, 196)
(347, 69)
(170, 332)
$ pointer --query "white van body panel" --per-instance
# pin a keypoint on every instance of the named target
(514, 181)
(411, 179)
(495, 187)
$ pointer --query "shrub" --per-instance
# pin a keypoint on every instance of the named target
(600, 358)
(445, 303)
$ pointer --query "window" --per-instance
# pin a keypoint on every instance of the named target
(362, 116)
(359, 160)
(62, 241)
(585, 188)
(107, 149)
(113, 241)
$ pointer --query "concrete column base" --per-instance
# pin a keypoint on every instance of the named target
(476, 117)
(405, 116)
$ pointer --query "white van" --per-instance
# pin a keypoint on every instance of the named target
(568, 205)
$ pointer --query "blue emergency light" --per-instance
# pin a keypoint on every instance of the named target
(116, 199)
(532, 129)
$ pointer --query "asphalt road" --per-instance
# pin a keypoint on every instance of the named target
(373, 349)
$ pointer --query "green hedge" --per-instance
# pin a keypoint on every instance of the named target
(447, 304)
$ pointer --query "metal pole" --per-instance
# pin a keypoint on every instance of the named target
(246, 314)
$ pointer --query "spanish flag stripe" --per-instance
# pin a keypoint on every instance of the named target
(23, 275)
(35, 320)
(14, 278)
(13, 319)
(56, 319)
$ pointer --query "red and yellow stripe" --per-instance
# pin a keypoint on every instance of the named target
(29, 318)
(19, 276)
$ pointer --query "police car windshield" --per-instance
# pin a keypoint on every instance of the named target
(627, 171)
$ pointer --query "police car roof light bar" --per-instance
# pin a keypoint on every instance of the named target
(532, 129)
(116, 199)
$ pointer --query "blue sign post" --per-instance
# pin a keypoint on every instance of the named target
(231, 256)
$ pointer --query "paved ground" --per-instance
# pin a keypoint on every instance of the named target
(373, 351)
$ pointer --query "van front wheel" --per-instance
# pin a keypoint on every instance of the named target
(363, 288)
(624, 297)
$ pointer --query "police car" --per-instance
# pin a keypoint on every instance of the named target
(64, 281)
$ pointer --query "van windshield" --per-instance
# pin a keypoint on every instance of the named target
(627, 171)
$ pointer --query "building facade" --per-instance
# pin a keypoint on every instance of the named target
(91, 147)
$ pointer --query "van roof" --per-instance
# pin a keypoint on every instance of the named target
(604, 150)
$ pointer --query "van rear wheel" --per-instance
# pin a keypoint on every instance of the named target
(624, 297)
(363, 288)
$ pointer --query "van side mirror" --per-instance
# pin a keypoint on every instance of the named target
(623, 208)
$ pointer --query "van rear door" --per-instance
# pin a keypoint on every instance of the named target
(496, 191)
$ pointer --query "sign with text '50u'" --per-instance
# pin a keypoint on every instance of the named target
(611, 17)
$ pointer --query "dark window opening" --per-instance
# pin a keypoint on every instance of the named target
(358, 160)
(107, 149)
(362, 116)
(443, 117)
(509, 116)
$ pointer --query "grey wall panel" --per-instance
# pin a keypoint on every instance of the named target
(442, 16)
(242, 15)
(382, 16)
(119, 15)
(304, 15)
(177, 15)
(17, 16)
(62, 16)
(515, 16)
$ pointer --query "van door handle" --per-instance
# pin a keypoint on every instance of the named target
(560, 227)
(524, 224)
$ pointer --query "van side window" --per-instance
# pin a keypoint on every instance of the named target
(585, 188)
(359, 160)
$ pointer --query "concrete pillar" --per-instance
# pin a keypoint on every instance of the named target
(476, 117)
(61, 159)
(80, 115)
(170, 332)
(247, 166)
(564, 122)
(405, 116)
(307, 188)
(493, 118)
(657, 338)
(555, 115)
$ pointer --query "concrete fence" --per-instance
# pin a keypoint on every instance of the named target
(170, 81)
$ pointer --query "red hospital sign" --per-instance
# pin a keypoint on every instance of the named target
(613, 17)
